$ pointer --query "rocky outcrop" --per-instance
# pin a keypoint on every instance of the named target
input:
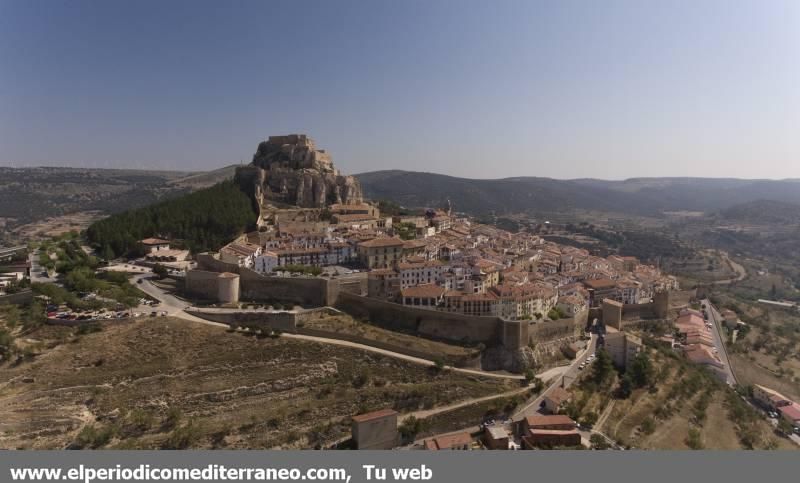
(297, 173)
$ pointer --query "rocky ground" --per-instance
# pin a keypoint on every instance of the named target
(167, 383)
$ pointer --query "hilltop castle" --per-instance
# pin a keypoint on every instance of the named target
(290, 170)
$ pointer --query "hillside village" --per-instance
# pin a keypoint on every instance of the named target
(324, 262)
(441, 260)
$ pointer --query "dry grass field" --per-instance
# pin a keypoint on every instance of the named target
(167, 383)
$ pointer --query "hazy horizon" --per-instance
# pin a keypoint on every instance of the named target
(566, 90)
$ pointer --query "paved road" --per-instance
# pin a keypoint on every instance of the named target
(716, 320)
(741, 272)
(36, 269)
(568, 377)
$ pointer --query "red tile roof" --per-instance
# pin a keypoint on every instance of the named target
(382, 242)
(381, 413)
(549, 420)
(448, 441)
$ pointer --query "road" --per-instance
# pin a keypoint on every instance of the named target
(716, 330)
(568, 373)
(741, 272)
(568, 377)
(37, 270)
(544, 376)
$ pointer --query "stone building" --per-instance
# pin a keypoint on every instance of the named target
(375, 430)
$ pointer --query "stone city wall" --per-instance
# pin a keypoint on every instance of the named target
(432, 323)
(202, 284)
(550, 330)
(307, 291)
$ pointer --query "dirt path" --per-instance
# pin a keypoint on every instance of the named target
(426, 413)
(174, 307)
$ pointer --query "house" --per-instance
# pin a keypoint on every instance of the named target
(16, 271)
(549, 431)
(458, 441)
(571, 305)
(380, 252)
(554, 421)
(571, 350)
(420, 273)
(689, 321)
(701, 354)
(495, 437)
(426, 296)
(770, 398)
(555, 400)
(790, 414)
(375, 430)
(599, 289)
(266, 262)
(730, 318)
(383, 283)
(167, 255)
(154, 244)
(243, 254)
(622, 347)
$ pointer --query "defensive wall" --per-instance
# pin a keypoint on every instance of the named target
(294, 322)
(348, 296)
(435, 324)
(619, 316)
(306, 291)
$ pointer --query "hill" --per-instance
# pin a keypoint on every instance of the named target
(206, 179)
(636, 196)
(29, 195)
(509, 195)
(203, 220)
(763, 211)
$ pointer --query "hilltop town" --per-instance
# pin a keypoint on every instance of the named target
(538, 340)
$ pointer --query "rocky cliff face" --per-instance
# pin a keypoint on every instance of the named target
(296, 173)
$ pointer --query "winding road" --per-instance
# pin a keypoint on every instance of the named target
(175, 308)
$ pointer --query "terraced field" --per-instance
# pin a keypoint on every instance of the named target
(167, 383)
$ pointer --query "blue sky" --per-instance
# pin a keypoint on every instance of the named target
(564, 89)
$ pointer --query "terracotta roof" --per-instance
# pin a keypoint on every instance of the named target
(153, 241)
(554, 431)
(791, 412)
(382, 242)
(558, 395)
(700, 354)
(381, 413)
(448, 441)
(423, 291)
(600, 283)
(549, 420)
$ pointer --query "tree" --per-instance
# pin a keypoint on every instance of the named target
(625, 387)
(598, 442)
(641, 370)
(603, 368)
(107, 253)
(693, 439)
(6, 344)
(410, 427)
(160, 270)
(530, 375)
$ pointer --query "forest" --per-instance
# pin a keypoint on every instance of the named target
(201, 221)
